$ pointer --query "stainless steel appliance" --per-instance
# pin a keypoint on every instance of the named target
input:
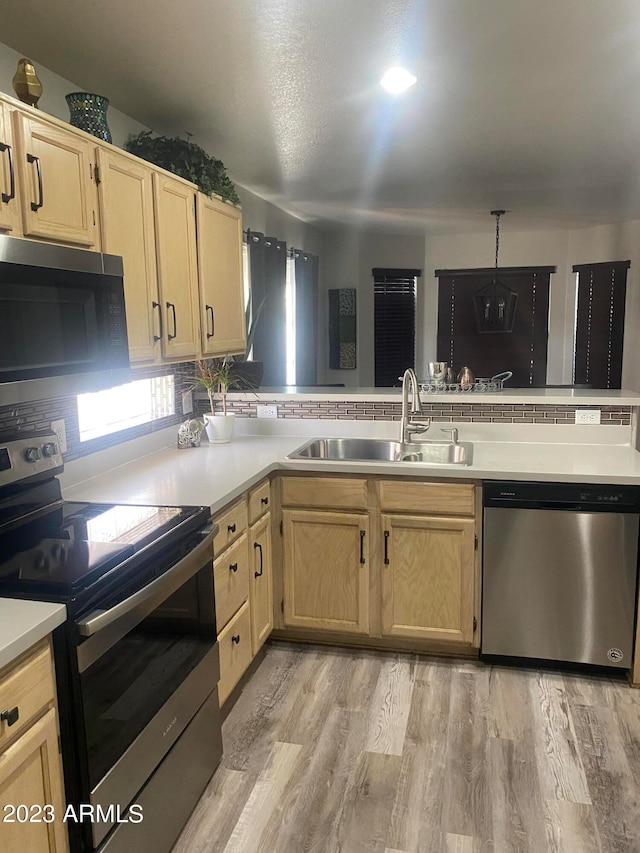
(62, 315)
(560, 566)
(137, 662)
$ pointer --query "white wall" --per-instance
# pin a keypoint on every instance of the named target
(53, 97)
(261, 215)
(347, 261)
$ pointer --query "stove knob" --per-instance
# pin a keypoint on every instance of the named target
(32, 454)
(50, 449)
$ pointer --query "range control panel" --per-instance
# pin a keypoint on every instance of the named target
(23, 457)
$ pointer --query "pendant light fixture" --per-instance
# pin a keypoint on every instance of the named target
(495, 304)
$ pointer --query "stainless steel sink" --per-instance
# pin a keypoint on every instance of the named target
(383, 450)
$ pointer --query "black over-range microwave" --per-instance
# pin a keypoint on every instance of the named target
(63, 327)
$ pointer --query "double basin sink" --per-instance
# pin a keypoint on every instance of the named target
(383, 450)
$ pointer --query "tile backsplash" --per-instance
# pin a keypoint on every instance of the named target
(372, 410)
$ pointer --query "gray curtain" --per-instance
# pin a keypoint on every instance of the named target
(268, 259)
(306, 266)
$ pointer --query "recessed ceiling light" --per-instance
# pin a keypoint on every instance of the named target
(397, 80)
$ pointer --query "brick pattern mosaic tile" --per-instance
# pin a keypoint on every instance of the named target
(454, 411)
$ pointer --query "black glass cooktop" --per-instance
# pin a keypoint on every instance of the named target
(64, 548)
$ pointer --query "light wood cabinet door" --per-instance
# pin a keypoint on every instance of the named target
(127, 228)
(428, 577)
(56, 182)
(234, 642)
(326, 570)
(260, 582)
(174, 204)
(222, 320)
(9, 209)
(31, 774)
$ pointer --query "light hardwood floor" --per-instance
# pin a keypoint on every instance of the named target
(348, 751)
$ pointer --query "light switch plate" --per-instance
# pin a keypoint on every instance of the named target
(267, 411)
(60, 429)
(587, 416)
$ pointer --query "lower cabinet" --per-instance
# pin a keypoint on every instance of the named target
(326, 570)
(243, 581)
(381, 558)
(235, 651)
(30, 765)
(427, 577)
(260, 582)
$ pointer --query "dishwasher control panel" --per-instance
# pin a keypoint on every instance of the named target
(560, 495)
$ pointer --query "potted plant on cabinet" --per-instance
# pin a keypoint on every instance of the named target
(215, 376)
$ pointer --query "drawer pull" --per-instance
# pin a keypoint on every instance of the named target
(362, 534)
(171, 307)
(264, 501)
(258, 574)
(157, 305)
(10, 716)
(386, 547)
(209, 313)
(231, 528)
(233, 567)
(235, 639)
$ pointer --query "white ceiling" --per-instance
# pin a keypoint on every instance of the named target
(528, 105)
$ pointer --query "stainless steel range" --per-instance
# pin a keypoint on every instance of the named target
(136, 661)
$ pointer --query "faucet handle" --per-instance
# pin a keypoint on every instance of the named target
(454, 433)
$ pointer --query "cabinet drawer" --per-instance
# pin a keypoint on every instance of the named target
(235, 651)
(434, 498)
(331, 492)
(231, 581)
(259, 501)
(28, 685)
(232, 523)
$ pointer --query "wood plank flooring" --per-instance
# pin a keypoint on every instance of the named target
(349, 751)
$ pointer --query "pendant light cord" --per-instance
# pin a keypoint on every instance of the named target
(497, 214)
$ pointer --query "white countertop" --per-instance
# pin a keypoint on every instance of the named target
(214, 475)
(23, 623)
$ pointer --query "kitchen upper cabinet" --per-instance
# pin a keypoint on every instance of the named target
(427, 577)
(222, 320)
(9, 208)
(127, 228)
(326, 570)
(55, 170)
(174, 204)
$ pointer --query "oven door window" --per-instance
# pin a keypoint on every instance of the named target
(129, 684)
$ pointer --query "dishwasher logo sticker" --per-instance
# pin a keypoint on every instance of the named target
(615, 655)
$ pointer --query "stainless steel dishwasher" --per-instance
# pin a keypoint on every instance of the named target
(560, 567)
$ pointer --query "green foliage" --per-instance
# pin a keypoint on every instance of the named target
(186, 159)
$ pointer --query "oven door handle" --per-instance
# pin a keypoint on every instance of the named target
(151, 595)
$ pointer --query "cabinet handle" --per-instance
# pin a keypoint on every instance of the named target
(235, 639)
(6, 197)
(159, 307)
(171, 306)
(264, 501)
(31, 158)
(386, 547)
(362, 533)
(233, 567)
(231, 528)
(209, 310)
(258, 574)
(11, 716)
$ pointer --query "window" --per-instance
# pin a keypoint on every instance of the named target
(599, 324)
(125, 406)
(394, 323)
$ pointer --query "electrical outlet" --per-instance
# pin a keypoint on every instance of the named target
(587, 416)
(60, 429)
(267, 411)
(187, 402)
